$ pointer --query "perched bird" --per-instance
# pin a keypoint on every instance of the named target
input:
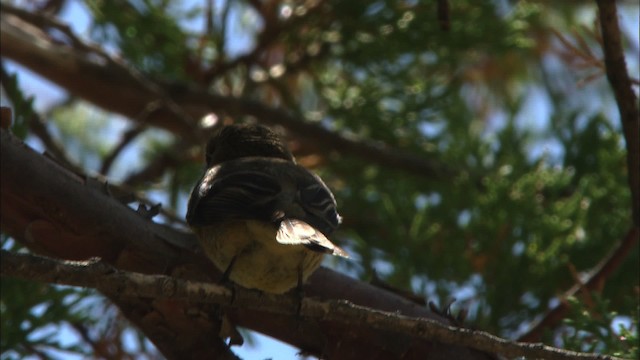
(262, 219)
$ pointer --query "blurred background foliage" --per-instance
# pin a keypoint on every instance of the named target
(507, 96)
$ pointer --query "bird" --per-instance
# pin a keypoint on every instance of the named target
(262, 219)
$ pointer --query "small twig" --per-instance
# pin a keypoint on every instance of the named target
(38, 127)
(597, 275)
(270, 34)
(109, 280)
(586, 294)
(156, 167)
(6, 117)
(125, 140)
(208, 15)
(131, 134)
(581, 56)
(444, 16)
(224, 22)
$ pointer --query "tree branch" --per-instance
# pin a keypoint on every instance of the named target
(86, 69)
(625, 97)
(126, 138)
(161, 162)
(597, 275)
(130, 93)
(63, 215)
(99, 275)
(627, 104)
(35, 122)
(273, 28)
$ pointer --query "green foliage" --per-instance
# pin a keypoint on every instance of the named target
(595, 328)
(82, 129)
(33, 313)
(22, 106)
(536, 193)
(147, 33)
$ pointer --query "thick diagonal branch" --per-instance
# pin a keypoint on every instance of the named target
(110, 280)
(63, 215)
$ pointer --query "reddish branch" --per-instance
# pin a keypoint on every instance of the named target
(127, 137)
(166, 159)
(88, 71)
(599, 275)
(130, 94)
(60, 214)
(444, 15)
(627, 104)
(625, 97)
(112, 85)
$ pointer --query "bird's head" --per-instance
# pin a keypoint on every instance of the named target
(238, 141)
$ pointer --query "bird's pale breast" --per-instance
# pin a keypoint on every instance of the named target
(261, 262)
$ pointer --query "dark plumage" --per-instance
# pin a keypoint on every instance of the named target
(257, 211)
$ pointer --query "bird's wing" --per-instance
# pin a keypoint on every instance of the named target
(270, 190)
(298, 232)
(318, 203)
(241, 194)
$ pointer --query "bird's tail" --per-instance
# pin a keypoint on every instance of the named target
(297, 232)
